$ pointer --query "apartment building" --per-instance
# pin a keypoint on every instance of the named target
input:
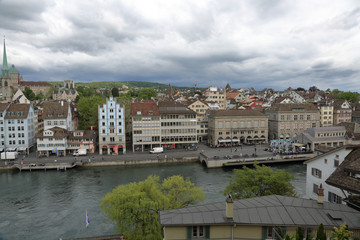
(56, 114)
(342, 111)
(237, 127)
(201, 108)
(146, 126)
(178, 125)
(52, 141)
(3, 107)
(287, 121)
(218, 95)
(111, 128)
(81, 139)
(326, 115)
(18, 128)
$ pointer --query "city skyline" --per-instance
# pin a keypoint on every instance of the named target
(260, 44)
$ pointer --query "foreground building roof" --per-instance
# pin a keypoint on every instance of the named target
(273, 210)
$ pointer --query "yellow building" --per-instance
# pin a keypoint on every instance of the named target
(201, 108)
(256, 218)
(214, 94)
(326, 115)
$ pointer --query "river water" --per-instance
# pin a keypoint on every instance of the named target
(52, 205)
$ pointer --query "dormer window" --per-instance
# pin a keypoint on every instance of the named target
(151, 112)
(138, 112)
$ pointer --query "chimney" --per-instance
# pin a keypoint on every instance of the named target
(320, 198)
(229, 207)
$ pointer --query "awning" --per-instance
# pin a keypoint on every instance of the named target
(11, 149)
(1, 149)
(298, 144)
(224, 140)
(22, 148)
(236, 140)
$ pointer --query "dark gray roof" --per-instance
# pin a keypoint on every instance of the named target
(271, 210)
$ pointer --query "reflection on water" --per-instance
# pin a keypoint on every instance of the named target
(52, 205)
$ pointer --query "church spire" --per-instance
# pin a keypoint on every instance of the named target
(5, 68)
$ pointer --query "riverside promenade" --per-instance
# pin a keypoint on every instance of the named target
(218, 157)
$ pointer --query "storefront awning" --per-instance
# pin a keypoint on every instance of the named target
(11, 149)
(1, 149)
(22, 148)
(298, 144)
(224, 140)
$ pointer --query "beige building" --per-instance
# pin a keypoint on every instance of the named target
(36, 87)
(256, 218)
(178, 125)
(145, 126)
(237, 126)
(201, 108)
(287, 121)
(342, 111)
(214, 94)
(326, 115)
(66, 95)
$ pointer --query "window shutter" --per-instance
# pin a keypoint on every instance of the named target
(264, 233)
(207, 232)
(189, 233)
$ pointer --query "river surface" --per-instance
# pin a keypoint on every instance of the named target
(52, 205)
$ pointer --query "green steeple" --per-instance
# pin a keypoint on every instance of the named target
(5, 69)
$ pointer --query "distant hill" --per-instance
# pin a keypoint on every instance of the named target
(131, 84)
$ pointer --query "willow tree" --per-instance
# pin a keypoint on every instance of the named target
(135, 207)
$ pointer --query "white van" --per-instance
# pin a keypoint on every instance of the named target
(157, 150)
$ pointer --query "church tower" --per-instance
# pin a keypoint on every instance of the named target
(10, 78)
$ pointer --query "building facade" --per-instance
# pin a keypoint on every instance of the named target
(178, 125)
(82, 139)
(146, 126)
(111, 128)
(326, 115)
(201, 108)
(52, 141)
(237, 127)
(287, 121)
(342, 111)
(213, 94)
(56, 114)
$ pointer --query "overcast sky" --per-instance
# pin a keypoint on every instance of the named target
(247, 43)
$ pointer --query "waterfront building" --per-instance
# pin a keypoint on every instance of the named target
(146, 125)
(319, 169)
(19, 130)
(214, 94)
(255, 218)
(3, 107)
(178, 125)
(111, 127)
(52, 141)
(201, 108)
(328, 137)
(326, 115)
(287, 121)
(237, 126)
(342, 111)
(81, 139)
(57, 114)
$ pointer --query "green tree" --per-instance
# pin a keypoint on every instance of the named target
(299, 233)
(341, 233)
(39, 96)
(115, 92)
(88, 111)
(147, 93)
(260, 181)
(335, 91)
(29, 94)
(135, 207)
(349, 96)
(321, 234)
(50, 92)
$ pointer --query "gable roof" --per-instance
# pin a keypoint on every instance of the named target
(55, 110)
(145, 109)
(340, 177)
(3, 106)
(17, 108)
(273, 210)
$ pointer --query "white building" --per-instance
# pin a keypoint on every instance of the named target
(112, 138)
(52, 141)
(3, 107)
(319, 168)
(57, 114)
(18, 128)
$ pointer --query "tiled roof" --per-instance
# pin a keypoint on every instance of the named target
(17, 110)
(54, 110)
(3, 106)
(291, 107)
(88, 134)
(273, 210)
(144, 108)
(340, 177)
(167, 107)
(58, 133)
(34, 83)
(235, 112)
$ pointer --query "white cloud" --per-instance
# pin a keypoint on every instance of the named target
(246, 43)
